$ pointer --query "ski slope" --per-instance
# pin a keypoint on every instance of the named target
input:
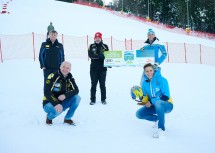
(76, 20)
(111, 128)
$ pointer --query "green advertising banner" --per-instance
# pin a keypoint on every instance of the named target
(128, 58)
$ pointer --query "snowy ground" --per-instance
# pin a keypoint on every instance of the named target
(111, 128)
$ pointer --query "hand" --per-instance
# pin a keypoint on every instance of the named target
(141, 103)
(61, 97)
(156, 64)
(142, 49)
(102, 56)
(148, 104)
(59, 108)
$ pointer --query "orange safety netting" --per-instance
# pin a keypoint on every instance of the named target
(28, 46)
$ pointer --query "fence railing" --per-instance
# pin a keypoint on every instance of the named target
(28, 47)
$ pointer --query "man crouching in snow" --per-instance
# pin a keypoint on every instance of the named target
(159, 101)
(61, 92)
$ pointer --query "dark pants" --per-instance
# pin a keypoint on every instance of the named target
(46, 73)
(98, 75)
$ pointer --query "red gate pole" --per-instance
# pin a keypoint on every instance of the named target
(63, 39)
(200, 54)
(125, 45)
(185, 53)
(131, 44)
(1, 52)
(167, 50)
(87, 45)
(111, 40)
(34, 51)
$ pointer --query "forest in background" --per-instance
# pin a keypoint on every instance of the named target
(198, 15)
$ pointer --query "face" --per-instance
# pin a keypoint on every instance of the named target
(151, 36)
(149, 71)
(53, 36)
(98, 40)
(65, 68)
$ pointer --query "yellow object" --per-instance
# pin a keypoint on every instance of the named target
(47, 81)
(187, 30)
(138, 93)
(50, 75)
(170, 100)
(145, 99)
(44, 98)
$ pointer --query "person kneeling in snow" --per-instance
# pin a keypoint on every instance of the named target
(157, 99)
(61, 92)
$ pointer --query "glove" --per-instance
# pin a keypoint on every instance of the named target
(156, 64)
(101, 56)
(142, 49)
(144, 100)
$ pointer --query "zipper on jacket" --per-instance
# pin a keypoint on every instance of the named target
(152, 91)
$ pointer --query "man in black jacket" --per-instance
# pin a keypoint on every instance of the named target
(61, 92)
(51, 55)
(97, 70)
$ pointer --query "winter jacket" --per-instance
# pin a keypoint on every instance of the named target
(56, 85)
(157, 47)
(51, 55)
(96, 54)
(157, 88)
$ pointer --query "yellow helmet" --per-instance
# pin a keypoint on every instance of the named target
(137, 93)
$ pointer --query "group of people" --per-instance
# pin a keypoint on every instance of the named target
(61, 90)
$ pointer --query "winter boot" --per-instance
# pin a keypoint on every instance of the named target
(159, 133)
(48, 122)
(70, 122)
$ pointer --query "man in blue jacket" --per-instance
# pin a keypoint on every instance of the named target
(153, 44)
(159, 101)
(51, 55)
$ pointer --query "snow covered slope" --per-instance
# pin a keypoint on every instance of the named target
(76, 20)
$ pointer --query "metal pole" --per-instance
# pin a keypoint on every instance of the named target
(148, 8)
(122, 5)
(188, 21)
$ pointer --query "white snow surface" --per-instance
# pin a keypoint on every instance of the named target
(110, 128)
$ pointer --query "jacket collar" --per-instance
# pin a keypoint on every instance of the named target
(49, 41)
(61, 75)
(148, 42)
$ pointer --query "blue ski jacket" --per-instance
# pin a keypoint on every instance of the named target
(157, 47)
(157, 88)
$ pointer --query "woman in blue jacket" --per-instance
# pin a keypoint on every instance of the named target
(159, 101)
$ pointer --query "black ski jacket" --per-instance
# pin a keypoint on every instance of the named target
(57, 85)
(51, 55)
(96, 54)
